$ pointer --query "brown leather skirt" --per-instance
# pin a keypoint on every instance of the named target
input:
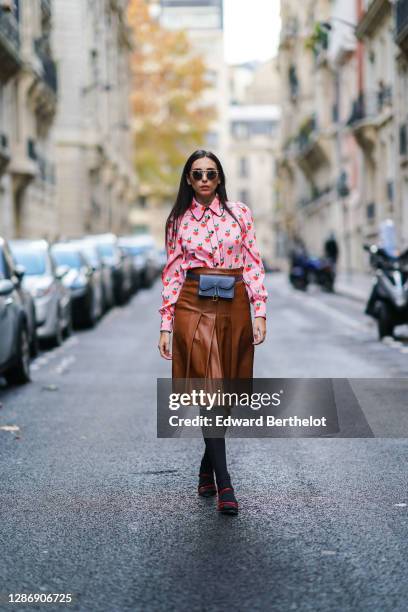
(212, 339)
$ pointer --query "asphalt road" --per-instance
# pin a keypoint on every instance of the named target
(93, 504)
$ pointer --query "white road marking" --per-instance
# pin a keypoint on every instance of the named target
(332, 312)
(314, 302)
(64, 364)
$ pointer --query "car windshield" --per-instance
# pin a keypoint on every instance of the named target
(91, 256)
(106, 250)
(64, 257)
(2, 267)
(34, 262)
(137, 250)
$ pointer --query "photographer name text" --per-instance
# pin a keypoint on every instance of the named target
(260, 421)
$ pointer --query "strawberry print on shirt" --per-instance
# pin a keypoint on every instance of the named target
(210, 237)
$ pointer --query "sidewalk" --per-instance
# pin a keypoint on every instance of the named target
(357, 285)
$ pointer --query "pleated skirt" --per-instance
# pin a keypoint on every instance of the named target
(212, 339)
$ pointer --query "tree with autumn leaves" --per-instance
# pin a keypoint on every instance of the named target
(169, 117)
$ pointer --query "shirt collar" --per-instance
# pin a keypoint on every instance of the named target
(199, 210)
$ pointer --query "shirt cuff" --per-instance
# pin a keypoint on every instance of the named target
(259, 308)
(166, 323)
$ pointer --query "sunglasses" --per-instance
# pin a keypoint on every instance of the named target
(198, 174)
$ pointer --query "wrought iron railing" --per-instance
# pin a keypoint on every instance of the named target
(369, 104)
(3, 141)
(401, 19)
(306, 134)
(316, 195)
(48, 65)
(9, 28)
(403, 139)
(31, 150)
(46, 7)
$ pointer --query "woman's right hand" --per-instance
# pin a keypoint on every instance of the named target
(164, 344)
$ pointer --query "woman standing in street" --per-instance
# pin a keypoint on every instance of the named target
(211, 247)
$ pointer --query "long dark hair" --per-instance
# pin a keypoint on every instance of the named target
(186, 194)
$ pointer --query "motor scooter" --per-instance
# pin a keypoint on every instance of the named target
(388, 302)
(307, 268)
(299, 274)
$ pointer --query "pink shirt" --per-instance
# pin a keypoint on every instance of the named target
(210, 237)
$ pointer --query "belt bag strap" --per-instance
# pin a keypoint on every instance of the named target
(214, 286)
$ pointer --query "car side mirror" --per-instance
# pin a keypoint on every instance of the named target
(6, 287)
(18, 274)
(61, 271)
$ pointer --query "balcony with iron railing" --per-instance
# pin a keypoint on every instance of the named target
(49, 69)
(403, 139)
(46, 8)
(373, 15)
(4, 152)
(318, 196)
(370, 104)
(367, 112)
(401, 24)
(10, 61)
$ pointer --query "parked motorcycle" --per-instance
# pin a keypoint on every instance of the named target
(306, 269)
(299, 271)
(388, 302)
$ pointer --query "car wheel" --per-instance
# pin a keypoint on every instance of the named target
(90, 318)
(69, 326)
(34, 345)
(19, 374)
(58, 337)
(385, 322)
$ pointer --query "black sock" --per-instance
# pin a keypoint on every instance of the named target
(206, 466)
(216, 450)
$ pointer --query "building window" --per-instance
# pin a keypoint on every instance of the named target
(211, 77)
(243, 167)
(241, 130)
(244, 196)
(212, 140)
(370, 210)
(293, 83)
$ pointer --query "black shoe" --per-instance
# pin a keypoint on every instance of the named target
(227, 503)
(206, 485)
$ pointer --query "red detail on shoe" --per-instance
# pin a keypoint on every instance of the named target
(223, 505)
(226, 489)
(206, 486)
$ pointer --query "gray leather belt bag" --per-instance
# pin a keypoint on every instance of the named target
(216, 286)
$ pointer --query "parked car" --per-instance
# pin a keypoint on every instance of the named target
(145, 257)
(107, 245)
(13, 269)
(82, 280)
(89, 249)
(14, 323)
(43, 280)
(162, 258)
(127, 267)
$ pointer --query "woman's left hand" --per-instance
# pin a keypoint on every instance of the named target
(259, 329)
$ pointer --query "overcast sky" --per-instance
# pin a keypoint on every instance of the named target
(251, 29)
